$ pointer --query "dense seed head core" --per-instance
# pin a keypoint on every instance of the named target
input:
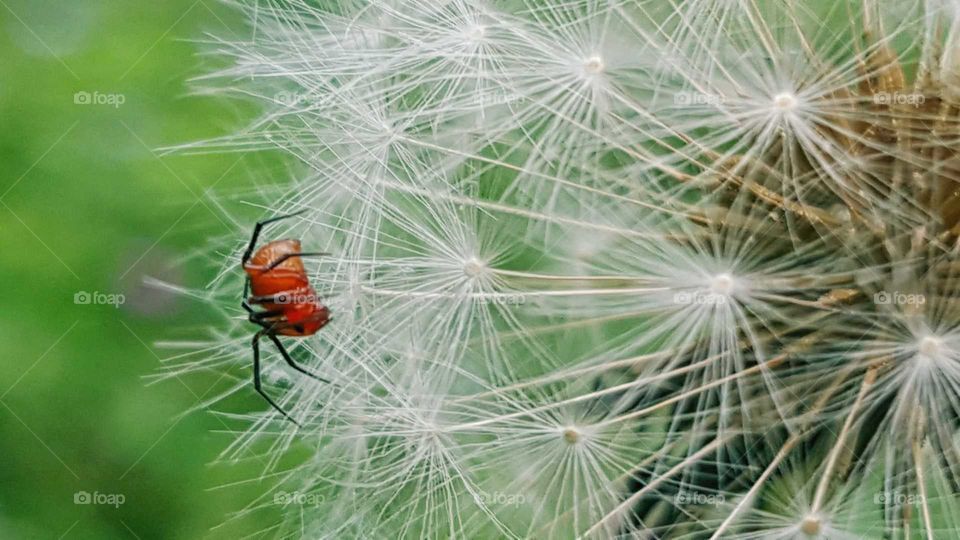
(722, 284)
(785, 101)
(476, 32)
(931, 346)
(810, 526)
(474, 268)
(594, 65)
(571, 435)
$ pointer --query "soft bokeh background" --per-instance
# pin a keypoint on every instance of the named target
(88, 205)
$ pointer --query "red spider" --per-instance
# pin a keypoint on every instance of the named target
(280, 286)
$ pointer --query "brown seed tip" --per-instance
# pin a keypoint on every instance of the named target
(810, 526)
(571, 435)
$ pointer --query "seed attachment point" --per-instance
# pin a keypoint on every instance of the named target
(811, 526)
(785, 101)
(722, 284)
(473, 268)
(594, 65)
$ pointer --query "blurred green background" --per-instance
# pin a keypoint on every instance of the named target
(88, 206)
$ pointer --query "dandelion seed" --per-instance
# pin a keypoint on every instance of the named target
(785, 102)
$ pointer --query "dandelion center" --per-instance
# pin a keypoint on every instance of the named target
(571, 435)
(473, 268)
(785, 101)
(475, 33)
(930, 346)
(810, 526)
(594, 65)
(722, 284)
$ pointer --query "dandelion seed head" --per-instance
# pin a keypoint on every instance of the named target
(535, 263)
(931, 347)
(811, 525)
(594, 65)
(722, 284)
(475, 33)
(571, 435)
(475, 268)
(785, 102)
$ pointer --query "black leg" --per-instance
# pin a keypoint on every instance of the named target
(243, 299)
(256, 378)
(263, 318)
(256, 316)
(256, 233)
(281, 260)
(290, 361)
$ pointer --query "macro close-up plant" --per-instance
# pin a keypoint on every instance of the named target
(612, 269)
(658, 269)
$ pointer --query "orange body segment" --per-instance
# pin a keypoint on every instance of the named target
(302, 314)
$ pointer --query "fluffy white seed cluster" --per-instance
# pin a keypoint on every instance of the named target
(612, 268)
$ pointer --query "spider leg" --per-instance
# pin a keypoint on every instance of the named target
(277, 298)
(283, 258)
(256, 376)
(263, 318)
(256, 233)
(243, 299)
(290, 361)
